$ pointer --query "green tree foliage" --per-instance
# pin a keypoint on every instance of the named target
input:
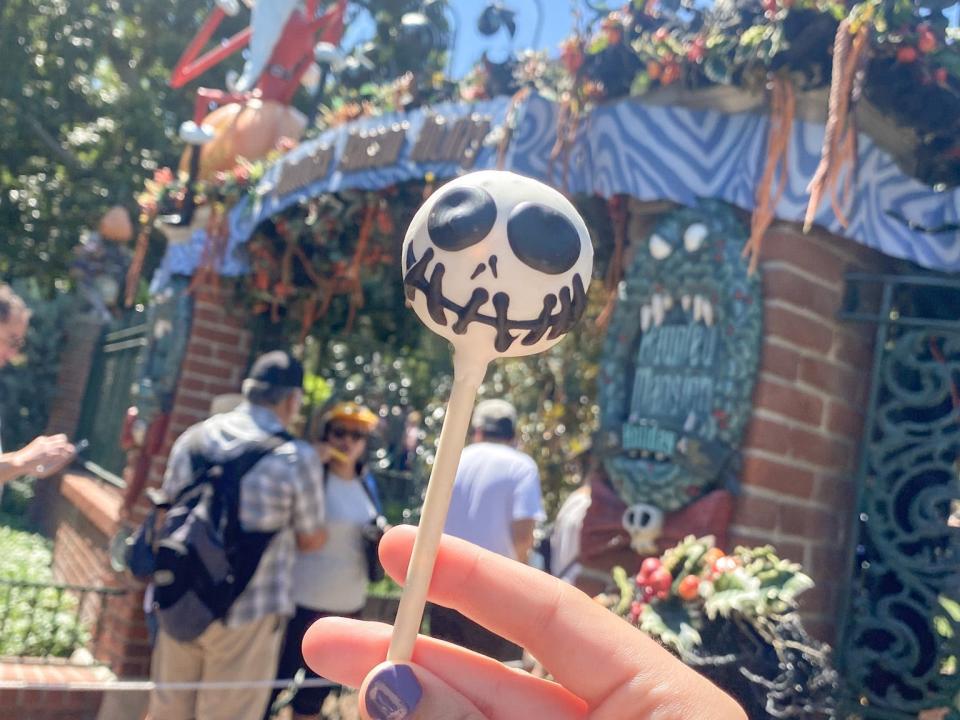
(86, 112)
(85, 115)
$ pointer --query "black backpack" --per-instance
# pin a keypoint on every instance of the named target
(204, 558)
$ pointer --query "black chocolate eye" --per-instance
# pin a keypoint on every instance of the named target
(543, 238)
(461, 218)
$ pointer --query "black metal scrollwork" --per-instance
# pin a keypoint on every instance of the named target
(901, 643)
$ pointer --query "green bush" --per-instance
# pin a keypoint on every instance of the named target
(35, 621)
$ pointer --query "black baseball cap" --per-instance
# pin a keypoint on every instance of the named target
(276, 369)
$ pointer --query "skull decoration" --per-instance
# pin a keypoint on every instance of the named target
(644, 523)
(498, 264)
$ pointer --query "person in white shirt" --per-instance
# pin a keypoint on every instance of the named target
(565, 540)
(43, 456)
(496, 504)
(333, 580)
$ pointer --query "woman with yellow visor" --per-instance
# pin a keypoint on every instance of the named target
(333, 580)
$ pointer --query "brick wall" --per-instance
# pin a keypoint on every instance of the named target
(802, 445)
(214, 363)
(84, 514)
(80, 343)
(83, 334)
(22, 703)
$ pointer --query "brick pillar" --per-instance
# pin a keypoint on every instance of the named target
(79, 345)
(215, 362)
(82, 336)
(802, 445)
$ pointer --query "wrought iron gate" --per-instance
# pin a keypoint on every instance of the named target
(899, 646)
(109, 389)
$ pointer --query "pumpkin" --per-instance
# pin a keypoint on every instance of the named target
(115, 225)
(249, 130)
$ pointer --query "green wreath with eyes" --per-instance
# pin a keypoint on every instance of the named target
(680, 359)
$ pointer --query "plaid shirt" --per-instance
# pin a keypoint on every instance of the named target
(282, 492)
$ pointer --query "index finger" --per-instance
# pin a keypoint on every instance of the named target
(569, 633)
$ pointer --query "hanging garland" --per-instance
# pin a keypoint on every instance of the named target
(734, 617)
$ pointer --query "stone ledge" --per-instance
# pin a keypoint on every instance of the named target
(100, 504)
(24, 672)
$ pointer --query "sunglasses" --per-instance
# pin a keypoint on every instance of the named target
(340, 433)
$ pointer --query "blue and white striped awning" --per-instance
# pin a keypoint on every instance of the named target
(647, 151)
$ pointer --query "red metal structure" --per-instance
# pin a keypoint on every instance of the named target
(290, 59)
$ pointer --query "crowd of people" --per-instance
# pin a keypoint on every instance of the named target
(316, 498)
(302, 510)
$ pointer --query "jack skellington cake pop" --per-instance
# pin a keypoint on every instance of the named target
(498, 264)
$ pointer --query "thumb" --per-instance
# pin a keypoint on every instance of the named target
(409, 692)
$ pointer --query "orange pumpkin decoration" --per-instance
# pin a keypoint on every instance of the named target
(250, 131)
(115, 225)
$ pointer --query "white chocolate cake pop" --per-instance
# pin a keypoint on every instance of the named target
(498, 263)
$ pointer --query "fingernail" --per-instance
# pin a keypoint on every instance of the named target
(393, 693)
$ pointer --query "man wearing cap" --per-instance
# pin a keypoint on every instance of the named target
(496, 504)
(45, 455)
(282, 493)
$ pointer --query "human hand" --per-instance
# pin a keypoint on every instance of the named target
(604, 668)
(45, 456)
(326, 452)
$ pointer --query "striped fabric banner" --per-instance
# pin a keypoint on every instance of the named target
(649, 152)
(672, 153)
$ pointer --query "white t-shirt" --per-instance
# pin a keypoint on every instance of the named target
(495, 485)
(334, 578)
(565, 540)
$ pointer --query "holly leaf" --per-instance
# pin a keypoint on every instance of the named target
(671, 623)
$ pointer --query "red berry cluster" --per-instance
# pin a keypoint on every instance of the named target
(654, 580)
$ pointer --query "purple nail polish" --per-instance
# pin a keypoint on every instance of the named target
(393, 693)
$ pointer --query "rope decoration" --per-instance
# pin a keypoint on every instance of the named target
(510, 121)
(782, 111)
(840, 141)
(618, 218)
(568, 122)
(214, 249)
(139, 255)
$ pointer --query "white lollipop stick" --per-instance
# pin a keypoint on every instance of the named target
(467, 376)
(499, 265)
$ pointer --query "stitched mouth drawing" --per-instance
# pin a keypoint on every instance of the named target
(572, 302)
(475, 272)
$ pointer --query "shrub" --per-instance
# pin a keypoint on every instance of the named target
(36, 620)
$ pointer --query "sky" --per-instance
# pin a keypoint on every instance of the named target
(556, 18)
(556, 23)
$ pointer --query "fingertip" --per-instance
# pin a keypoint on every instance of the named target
(343, 650)
(399, 537)
(395, 549)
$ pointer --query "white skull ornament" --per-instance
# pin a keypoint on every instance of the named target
(644, 523)
(498, 264)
